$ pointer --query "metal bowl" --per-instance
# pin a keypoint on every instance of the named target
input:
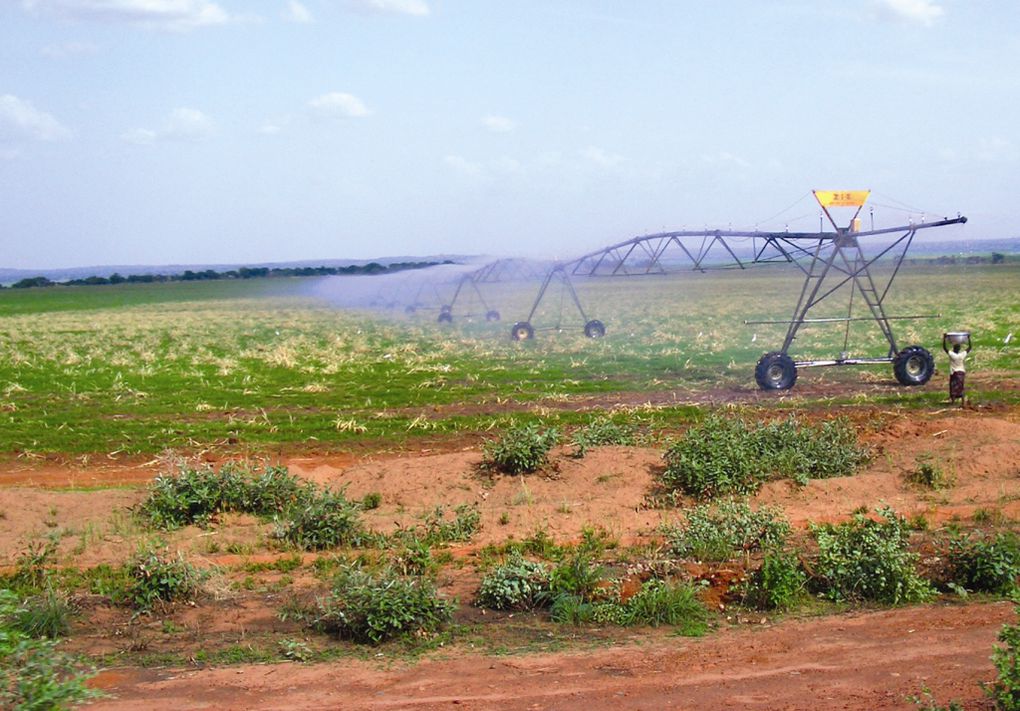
(956, 337)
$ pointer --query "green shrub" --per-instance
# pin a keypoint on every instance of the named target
(660, 603)
(323, 520)
(657, 603)
(1005, 690)
(517, 584)
(520, 450)
(439, 529)
(372, 608)
(33, 673)
(47, 614)
(600, 432)
(578, 576)
(928, 473)
(198, 495)
(371, 500)
(717, 533)
(731, 456)
(864, 559)
(156, 576)
(986, 566)
(776, 584)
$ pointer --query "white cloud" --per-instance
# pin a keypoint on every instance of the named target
(296, 12)
(725, 158)
(173, 15)
(418, 8)
(337, 104)
(69, 49)
(183, 124)
(601, 157)
(499, 124)
(922, 12)
(20, 120)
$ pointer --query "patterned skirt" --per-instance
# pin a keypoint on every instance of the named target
(956, 385)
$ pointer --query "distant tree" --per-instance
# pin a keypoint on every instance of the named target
(31, 282)
(116, 278)
(998, 258)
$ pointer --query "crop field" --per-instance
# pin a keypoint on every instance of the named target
(203, 484)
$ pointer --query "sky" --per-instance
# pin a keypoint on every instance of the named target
(229, 131)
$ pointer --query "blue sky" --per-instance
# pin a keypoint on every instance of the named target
(200, 131)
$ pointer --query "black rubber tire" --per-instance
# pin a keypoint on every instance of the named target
(492, 315)
(913, 366)
(775, 371)
(522, 331)
(445, 317)
(594, 329)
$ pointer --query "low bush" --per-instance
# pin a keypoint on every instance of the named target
(156, 576)
(717, 532)
(660, 603)
(33, 673)
(372, 608)
(47, 614)
(577, 576)
(517, 584)
(198, 495)
(600, 432)
(1005, 690)
(325, 519)
(928, 474)
(776, 583)
(520, 450)
(865, 559)
(724, 456)
(438, 528)
(982, 565)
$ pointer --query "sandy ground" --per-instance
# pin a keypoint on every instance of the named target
(867, 660)
(855, 661)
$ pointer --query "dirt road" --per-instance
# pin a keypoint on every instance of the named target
(854, 661)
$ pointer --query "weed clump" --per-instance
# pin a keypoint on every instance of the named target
(522, 449)
(982, 565)
(601, 432)
(718, 533)
(776, 584)
(724, 456)
(865, 559)
(322, 520)
(372, 608)
(928, 474)
(1005, 690)
(33, 673)
(517, 584)
(156, 576)
(198, 495)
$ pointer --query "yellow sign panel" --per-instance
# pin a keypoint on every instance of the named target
(841, 198)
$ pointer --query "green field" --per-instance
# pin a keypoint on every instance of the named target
(260, 365)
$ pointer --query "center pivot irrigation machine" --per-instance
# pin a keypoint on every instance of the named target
(828, 260)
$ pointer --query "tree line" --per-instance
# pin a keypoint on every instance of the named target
(372, 268)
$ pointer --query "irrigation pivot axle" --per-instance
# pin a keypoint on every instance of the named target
(835, 261)
(829, 260)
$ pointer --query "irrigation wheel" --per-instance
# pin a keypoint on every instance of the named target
(522, 331)
(594, 329)
(913, 366)
(775, 371)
